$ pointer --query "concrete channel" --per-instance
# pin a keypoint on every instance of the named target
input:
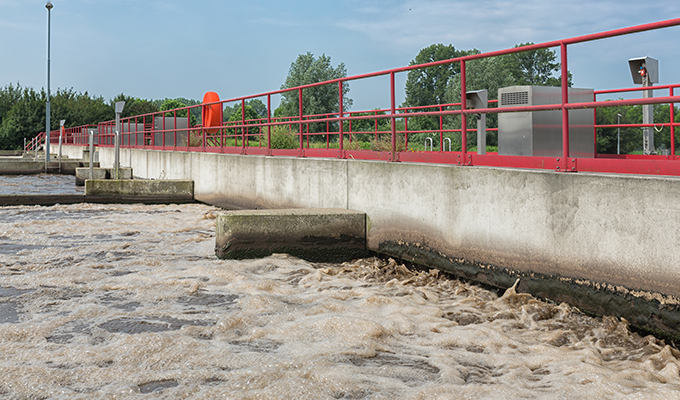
(102, 189)
(606, 244)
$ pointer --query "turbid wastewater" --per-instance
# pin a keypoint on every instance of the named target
(129, 301)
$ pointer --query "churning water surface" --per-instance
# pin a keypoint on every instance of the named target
(129, 301)
(39, 184)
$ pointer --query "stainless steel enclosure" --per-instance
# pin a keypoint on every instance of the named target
(168, 125)
(539, 133)
(133, 133)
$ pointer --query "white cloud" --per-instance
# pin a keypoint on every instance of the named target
(494, 24)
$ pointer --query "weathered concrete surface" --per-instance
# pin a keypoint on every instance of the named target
(82, 174)
(40, 199)
(25, 166)
(320, 235)
(137, 190)
(12, 166)
(605, 243)
(11, 153)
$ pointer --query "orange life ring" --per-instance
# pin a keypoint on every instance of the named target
(212, 113)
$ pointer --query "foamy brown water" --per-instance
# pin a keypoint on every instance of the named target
(129, 301)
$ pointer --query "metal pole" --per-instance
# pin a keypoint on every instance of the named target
(618, 135)
(60, 139)
(116, 138)
(269, 127)
(47, 109)
(91, 153)
(116, 160)
(647, 118)
(481, 134)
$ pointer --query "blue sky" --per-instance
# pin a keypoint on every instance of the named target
(157, 49)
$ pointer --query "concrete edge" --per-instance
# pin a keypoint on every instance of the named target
(317, 235)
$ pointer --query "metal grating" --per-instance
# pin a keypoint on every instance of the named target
(514, 98)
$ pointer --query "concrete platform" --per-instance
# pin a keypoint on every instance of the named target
(28, 166)
(318, 235)
(82, 174)
(139, 191)
(40, 199)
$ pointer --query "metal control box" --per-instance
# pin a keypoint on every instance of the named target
(539, 133)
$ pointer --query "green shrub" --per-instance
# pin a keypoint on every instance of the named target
(284, 137)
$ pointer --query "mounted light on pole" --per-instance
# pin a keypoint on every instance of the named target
(116, 163)
(48, 6)
(645, 72)
(479, 99)
(61, 135)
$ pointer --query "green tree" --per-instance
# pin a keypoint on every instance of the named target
(25, 119)
(255, 104)
(172, 104)
(305, 70)
(631, 138)
(427, 86)
(534, 67)
(607, 138)
(9, 96)
(486, 73)
(258, 107)
(251, 117)
(78, 108)
(135, 106)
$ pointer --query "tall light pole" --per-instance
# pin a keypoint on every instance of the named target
(47, 110)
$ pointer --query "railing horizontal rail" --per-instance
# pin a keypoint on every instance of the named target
(338, 129)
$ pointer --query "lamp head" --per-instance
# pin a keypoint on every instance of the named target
(48, 5)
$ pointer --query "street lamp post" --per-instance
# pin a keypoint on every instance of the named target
(47, 111)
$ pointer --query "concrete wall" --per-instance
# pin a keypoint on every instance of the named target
(589, 232)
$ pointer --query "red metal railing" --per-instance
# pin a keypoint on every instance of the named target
(162, 130)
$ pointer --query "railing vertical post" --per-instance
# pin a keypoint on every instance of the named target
(393, 121)
(563, 164)
(405, 131)
(672, 107)
(91, 137)
(341, 128)
(269, 127)
(594, 126)
(174, 123)
(243, 126)
(204, 133)
(144, 131)
(221, 129)
(163, 134)
(301, 152)
(441, 130)
(463, 116)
